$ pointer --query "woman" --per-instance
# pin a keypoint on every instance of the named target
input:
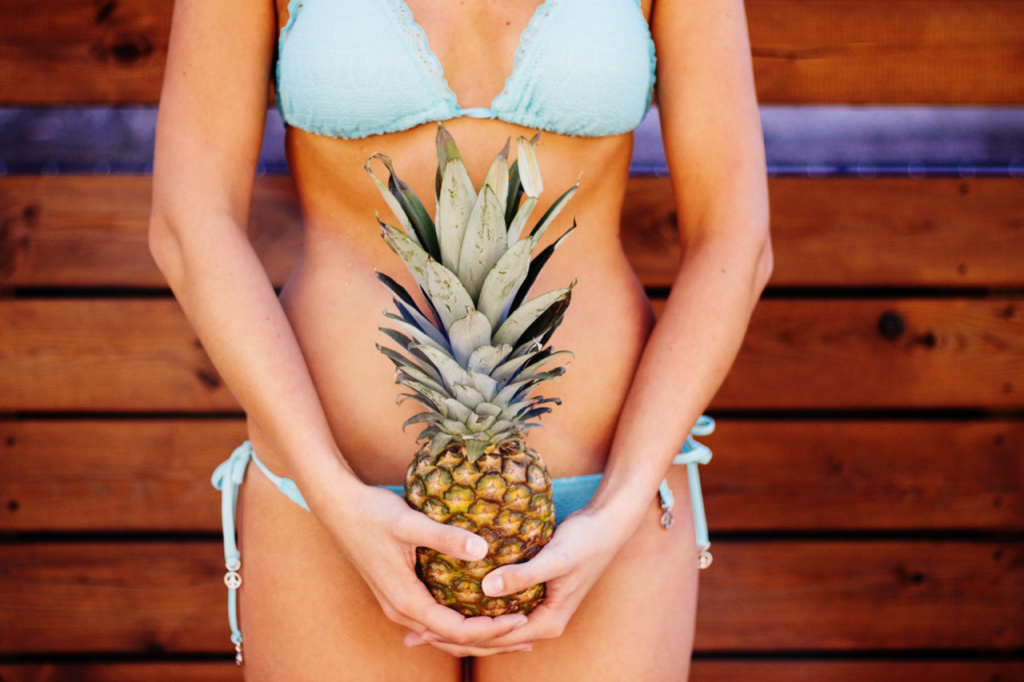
(332, 594)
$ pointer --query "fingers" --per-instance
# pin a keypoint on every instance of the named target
(546, 622)
(547, 565)
(419, 530)
(447, 624)
(412, 640)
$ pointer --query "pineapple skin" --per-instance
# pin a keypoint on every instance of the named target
(504, 497)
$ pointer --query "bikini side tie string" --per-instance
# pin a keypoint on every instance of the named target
(228, 478)
(692, 454)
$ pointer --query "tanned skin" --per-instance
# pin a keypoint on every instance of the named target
(332, 594)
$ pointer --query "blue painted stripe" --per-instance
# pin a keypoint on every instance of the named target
(814, 141)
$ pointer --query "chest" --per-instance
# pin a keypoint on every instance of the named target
(575, 66)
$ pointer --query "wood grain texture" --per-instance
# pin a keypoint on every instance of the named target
(832, 354)
(701, 670)
(903, 51)
(864, 474)
(842, 51)
(225, 671)
(139, 355)
(154, 475)
(83, 51)
(91, 231)
(857, 232)
(756, 596)
(93, 354)
(128, 475)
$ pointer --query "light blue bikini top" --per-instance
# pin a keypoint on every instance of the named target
(353, 68)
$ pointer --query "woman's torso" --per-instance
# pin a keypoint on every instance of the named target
(335, 303)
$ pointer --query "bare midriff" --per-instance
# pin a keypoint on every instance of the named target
(335, 302)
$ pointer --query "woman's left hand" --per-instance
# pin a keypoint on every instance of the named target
(578, 553)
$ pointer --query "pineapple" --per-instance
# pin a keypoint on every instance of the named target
(473, 359)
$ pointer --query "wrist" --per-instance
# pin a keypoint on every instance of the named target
(328, 483)
(621, 505)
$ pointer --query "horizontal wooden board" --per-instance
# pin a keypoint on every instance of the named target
(140, 355)
(756, 596)
(903, 51)
(225, 671)
(864, 474)
(92, 231)
(857, 232)
(71, 231)
(113, 474)
(136, 355)
(856, 51)
(701, 670)
(146, 475)
(833, 354)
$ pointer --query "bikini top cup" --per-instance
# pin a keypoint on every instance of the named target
(353, 68)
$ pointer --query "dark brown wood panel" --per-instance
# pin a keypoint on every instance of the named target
(74, 475)
(701, 670)
(864, 474)
(756, 596)
(141, 355)
(225, 671)
(91, 231)
(83, 51)
(91, 354)
(858, 232)
(113, 474)
(832, 354)
(842, 51)
(834, 595)
(904, 51)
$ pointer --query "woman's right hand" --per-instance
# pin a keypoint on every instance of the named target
(379, 534)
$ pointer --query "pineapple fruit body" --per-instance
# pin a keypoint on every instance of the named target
(505, 498)
(473, 358)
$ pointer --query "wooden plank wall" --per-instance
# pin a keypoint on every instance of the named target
(865, 500)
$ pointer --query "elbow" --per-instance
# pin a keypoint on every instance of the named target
(164, 246)
(764, 266)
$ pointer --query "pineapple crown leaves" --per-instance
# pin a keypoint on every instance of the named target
(478, 352)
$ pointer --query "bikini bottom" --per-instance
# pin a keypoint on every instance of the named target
(568, 494)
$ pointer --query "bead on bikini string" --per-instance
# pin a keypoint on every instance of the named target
(704, 558)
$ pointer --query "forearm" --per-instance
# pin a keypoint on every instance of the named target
(684, 362)
(226, 295)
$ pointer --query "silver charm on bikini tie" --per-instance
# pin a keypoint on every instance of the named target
(232, 578)
(667, 519)
(238, 654)
(704, 558)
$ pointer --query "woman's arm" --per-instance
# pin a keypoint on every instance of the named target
(715, 150)
(210, 128)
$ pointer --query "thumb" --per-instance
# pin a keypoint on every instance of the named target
(547, 565)
(420, 530)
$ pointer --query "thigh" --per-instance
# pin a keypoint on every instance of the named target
(637, 623)
(304, 611)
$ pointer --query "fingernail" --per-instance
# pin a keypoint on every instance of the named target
(493, 585)
(520, 624)
(430, 636)
(476, 547)
(525, 647)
